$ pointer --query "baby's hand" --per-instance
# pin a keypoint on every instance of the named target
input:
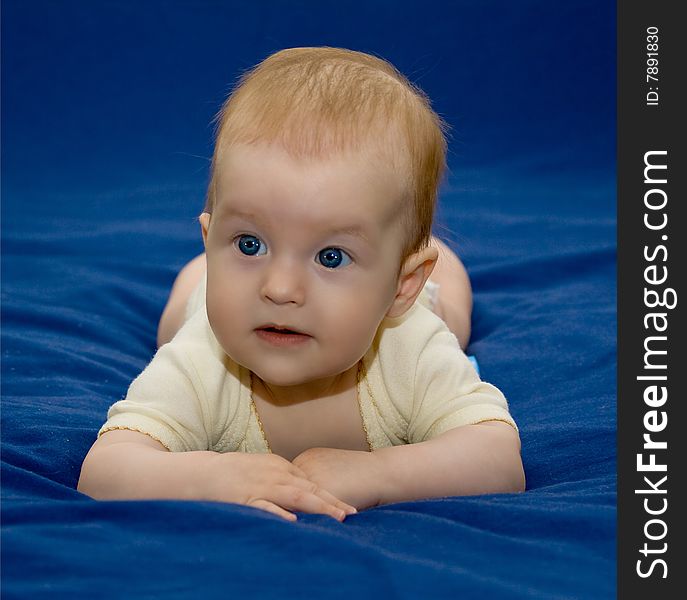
(271, 483)
(354, 476)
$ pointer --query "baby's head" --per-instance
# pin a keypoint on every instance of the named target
(319, 209)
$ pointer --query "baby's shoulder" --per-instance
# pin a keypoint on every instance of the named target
(407, 336)
(195, 362)
(409, 353)
(412, 348)
(195, 347)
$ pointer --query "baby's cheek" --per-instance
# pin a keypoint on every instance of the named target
(222, 316)
(357, 327)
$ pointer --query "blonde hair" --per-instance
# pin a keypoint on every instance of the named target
(316, 102)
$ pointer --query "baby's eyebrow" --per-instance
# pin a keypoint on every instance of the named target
(230, 211)
(352, 230)
(358, 231)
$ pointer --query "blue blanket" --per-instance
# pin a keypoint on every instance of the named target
(105, 153)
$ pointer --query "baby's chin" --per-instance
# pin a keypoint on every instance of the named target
(287, 379)
(290, 375)
(291, 370)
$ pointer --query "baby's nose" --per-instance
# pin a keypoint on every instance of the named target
(283, 285)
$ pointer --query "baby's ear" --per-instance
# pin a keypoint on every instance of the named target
(204, 226)
(416, 270)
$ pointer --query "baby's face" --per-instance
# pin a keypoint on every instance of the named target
(309, 245)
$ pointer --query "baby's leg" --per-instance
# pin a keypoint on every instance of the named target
(454, 303)
(173, 315)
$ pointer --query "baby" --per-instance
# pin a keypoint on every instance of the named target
(306, 362)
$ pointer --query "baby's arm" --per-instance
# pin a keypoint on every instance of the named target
(467, 460)
(461, 439)
(126, 464)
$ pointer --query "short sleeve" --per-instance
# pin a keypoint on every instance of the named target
(166, 401)
(448, 393)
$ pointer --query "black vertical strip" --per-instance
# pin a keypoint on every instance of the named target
(652, 337)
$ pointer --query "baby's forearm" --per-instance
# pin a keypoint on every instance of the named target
(129, 465)
(133, 471)
(469, 460)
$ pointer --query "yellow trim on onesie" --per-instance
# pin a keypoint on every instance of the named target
(119, 427)
(494, 419)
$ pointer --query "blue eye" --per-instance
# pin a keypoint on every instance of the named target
(249, 245)
(333, 257)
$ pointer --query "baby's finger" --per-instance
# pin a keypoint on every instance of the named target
(305, 500)
(270, 507)
(332, 499)
(297, 471)
(301, 479)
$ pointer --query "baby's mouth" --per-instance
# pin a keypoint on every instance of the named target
(283, 337)
(285, 330)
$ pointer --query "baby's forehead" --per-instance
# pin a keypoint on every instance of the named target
(359, 186)
(362, 224)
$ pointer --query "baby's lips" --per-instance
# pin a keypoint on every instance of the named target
(287, 328)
